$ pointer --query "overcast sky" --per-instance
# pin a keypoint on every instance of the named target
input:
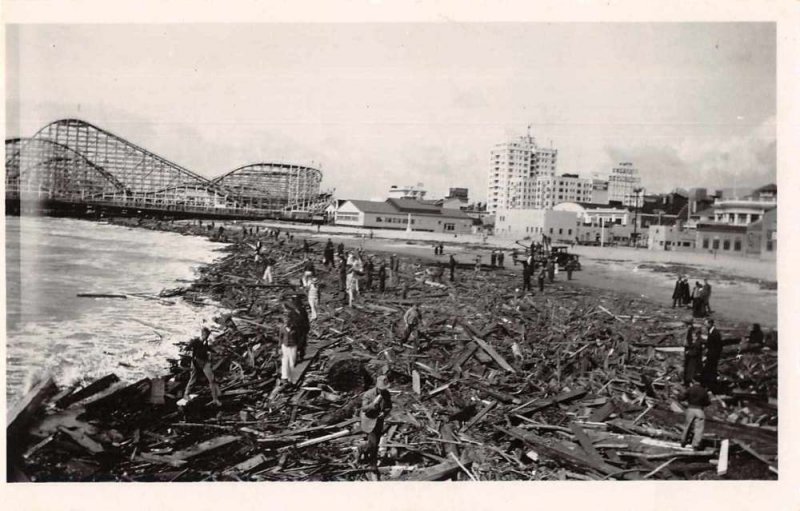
(382, 104)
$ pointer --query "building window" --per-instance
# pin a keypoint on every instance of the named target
(378, 219)
(726, 244)
(737, 245)
(715, 244)
(449, 227)
(560, 231)
(551, 230)
(705, 242)
(569, 232)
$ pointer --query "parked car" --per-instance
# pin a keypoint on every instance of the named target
(563, 256)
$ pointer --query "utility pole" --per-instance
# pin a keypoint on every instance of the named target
(636, 191)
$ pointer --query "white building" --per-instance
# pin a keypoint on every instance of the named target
(403, 214)
(407, 192)
(742, 211)
(560, 226)
(599, 191)
(551, 190)
(623, 182)
(513, 170)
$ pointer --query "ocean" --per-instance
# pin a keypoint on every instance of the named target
(48, 328)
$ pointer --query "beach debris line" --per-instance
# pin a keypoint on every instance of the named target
(572, 383)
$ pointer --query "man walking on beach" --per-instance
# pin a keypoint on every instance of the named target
(677, 292)
(202, 364)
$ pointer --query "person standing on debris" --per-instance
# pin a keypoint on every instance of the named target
(551, 270)
(312, 290)
(305, 246)
(692, 356)
(697, 398)
(698, 301)
(477, 264)
(340, 249)
(435, 249)
(327, 254)
(500, 258)
(382, 276)
(376, 404)
(676, 293)
(269, 263)
(351, 285)
(394, 274)
(755, 340)
(369, 267)
(303, 324)
(526, 276)
(289, 338)
(493, 259)
(686, 292)
(452, 264)
(409, 326)
(542, 275)
(441, 248)
(201, 364)
(713, 354)
(342, 273)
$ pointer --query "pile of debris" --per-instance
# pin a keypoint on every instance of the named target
(573, 383)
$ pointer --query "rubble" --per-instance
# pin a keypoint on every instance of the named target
(575, 383)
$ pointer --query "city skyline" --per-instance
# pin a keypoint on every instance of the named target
(373, 105)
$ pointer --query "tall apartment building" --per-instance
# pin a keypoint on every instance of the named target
(513, 171)
(552, 190)
(622, 183)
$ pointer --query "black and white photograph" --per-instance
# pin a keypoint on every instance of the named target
(384, 252)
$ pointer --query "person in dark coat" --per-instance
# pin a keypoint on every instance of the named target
(551, 270)
(369, 267)
(692, 357)
(340, 249)
(707, 296)
(452, 268)
(382, 276)
(696, 396)
(493, 259)
(328, 254)
(698, 302)
(713, 354)
(526, 276)
(570, 267)
(342, 273)
(500, 258)
(305, 246)
(678, 292)
(376, 404)
(686, 292)
(540, 278)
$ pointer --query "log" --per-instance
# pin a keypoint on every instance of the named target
(82, 439)
(101, 295)
(322, 439)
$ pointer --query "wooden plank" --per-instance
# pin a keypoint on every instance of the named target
(586, 443)
(204, 447)
(602, 413)
(722, 466)
(322, 439)
(559, 453)
(249, 464)
(501, 396)
(480, 415)
(495, 356)
(465, 355)
(301, 368)
(544, 403)
(434, 473)
(416, 382)
(82, 439)
(20, 415)
(157, 391)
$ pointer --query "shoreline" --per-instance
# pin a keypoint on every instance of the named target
(337, 330)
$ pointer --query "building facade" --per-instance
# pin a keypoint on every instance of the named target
(722, 238)
(403, 214)
(513, 170)
(416, 192)
(599, 191)
(623, 182)
(670, 237)
(551, 190)
(560, 226)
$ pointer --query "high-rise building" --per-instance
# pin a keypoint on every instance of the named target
(624, 184)
(513, 171)
(459, 193)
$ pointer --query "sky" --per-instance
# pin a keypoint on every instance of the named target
(375, 105)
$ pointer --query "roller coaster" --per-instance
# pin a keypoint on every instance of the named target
(75, 167)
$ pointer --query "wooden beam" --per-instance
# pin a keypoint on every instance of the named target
(20, 415)
(480, 415)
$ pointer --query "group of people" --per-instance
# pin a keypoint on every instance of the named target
(699, 298)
